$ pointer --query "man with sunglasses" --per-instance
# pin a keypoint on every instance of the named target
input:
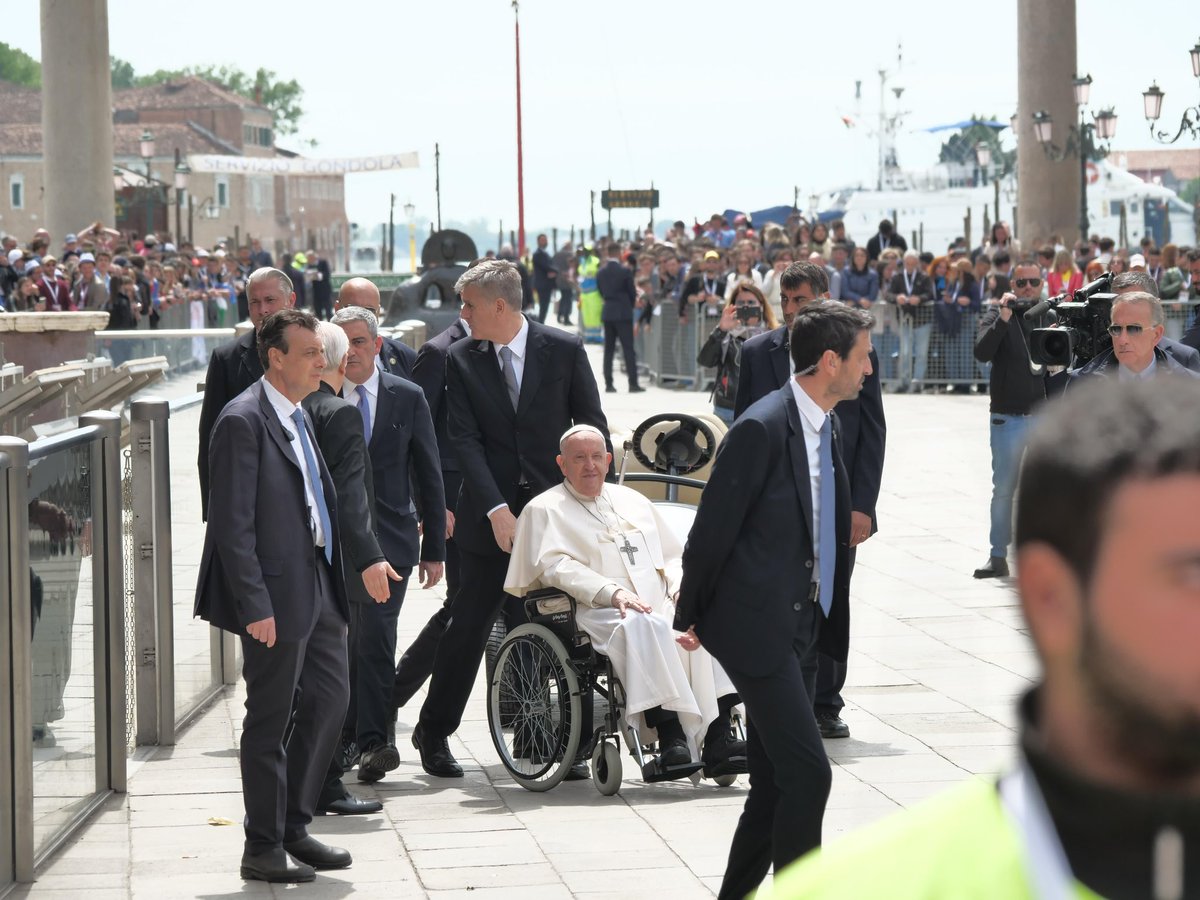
(1136, 330)
(1017, 386)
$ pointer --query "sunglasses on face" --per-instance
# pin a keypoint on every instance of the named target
(1027, 282)
(1131, 330)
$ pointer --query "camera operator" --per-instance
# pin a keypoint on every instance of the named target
(1135, 354)
(1017, 386)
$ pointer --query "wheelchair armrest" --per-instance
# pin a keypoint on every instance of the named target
(533, 598)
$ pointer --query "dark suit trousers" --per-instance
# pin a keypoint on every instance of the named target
(280, 785)
(377, 664)
(544, 294)
(789, 772)
(417, 662)
(831, 675)
(333, 789)
(474, 608)
(566, 302)
(622, 331)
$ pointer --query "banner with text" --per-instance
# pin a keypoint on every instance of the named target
(300, 165)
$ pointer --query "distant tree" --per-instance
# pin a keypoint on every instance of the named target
(122, 73)
(282, 98)
(960, 146)
(1189, 192)
(19, 67)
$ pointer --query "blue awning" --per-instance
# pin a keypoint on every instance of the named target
(959, 126)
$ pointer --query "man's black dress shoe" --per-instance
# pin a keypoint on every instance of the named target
(996, 567)
(377, 762)
(312, 852)
(349, 806)
(673, 752)
(347, 754)
(274, 865)
(830, 724)
(436, 758)
(720, 748)
(610, 389)
(636, 389)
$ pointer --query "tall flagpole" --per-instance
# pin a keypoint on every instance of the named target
(520, 152)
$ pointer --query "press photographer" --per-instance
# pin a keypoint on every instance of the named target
(1017, 386)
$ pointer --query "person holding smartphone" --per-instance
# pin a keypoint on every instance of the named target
(745, 315)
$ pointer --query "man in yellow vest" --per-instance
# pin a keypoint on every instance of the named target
(1105, 798)
(590, 301)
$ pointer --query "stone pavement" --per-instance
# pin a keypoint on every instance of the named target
(936, 661)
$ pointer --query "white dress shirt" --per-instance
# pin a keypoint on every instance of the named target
(283, 409)
(812, 420)
(350, 394)
(517, 345)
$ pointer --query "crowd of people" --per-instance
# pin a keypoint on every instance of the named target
(135, 280)
(927, 307)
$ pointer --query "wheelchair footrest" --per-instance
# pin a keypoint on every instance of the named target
(734, 765)
(653, 771)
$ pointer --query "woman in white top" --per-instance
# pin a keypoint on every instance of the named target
(743, 270)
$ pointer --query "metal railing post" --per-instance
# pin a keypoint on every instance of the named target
(16, 678)
(153, 584)
(108, 578)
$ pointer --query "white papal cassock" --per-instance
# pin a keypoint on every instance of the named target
(591, 547)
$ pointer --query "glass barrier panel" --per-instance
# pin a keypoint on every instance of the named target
(62, 649)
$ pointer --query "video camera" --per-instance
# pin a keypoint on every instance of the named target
(1080, 330)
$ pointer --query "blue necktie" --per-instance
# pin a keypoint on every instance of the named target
(364, 409)
(828, 524)
(314, 480)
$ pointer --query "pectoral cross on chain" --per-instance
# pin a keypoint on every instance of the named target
(627, 548)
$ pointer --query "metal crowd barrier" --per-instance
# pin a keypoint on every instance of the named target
(61, 630)
(671, 346)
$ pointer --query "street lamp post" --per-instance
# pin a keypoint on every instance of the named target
(1081, 141)
(1189, 121)
(182, 171)
(409, 212)
(146, 151)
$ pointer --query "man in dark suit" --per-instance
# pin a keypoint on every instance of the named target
(271, 572)
(884, 240)
(512, 390)
(318, 272)
(339, 430)
(235, 366)
(395, 357)
(766, 367)
(545, 277)
(761, 612)
(429, 374)
(615, 283)
(1179, 351)
(407, 474)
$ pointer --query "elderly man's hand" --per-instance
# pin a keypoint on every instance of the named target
(622, 600)
(688, 640)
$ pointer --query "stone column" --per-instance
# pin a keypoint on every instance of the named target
(1047, 192)
(77, 128)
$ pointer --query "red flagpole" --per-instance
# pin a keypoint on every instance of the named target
(520, 152)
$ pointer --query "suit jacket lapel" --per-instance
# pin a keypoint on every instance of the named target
(798, 451)
(780, 360)
(384, 412)
(536, 351)
(487, 369)
(248, 358)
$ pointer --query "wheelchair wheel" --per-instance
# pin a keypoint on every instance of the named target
(534, 679)
(606, 768)
(724, 780)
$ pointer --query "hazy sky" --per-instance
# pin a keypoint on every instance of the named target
(720, 104)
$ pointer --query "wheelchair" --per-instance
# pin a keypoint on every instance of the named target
(552, 698)
(543, 709)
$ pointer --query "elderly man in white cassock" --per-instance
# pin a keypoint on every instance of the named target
(607, 546)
